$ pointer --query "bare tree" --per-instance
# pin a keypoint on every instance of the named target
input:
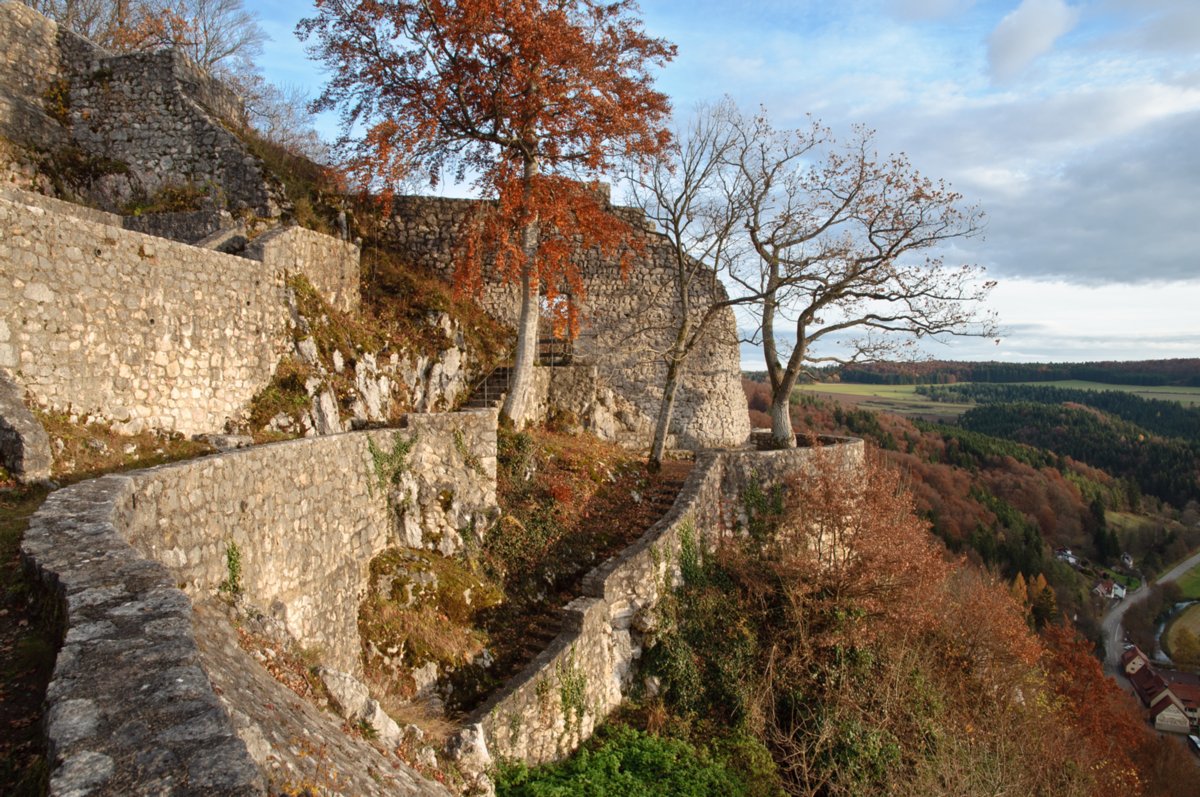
(684, 193)
(219, 35)
(845, 250)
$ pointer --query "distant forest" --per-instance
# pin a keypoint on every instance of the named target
(1166, 418)
(1181, 373)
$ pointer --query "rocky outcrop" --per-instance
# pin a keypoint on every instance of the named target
(24, 444)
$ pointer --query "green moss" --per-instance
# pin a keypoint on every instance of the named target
(421, 607)
(572, 689)
(285, 394)
(389, 465)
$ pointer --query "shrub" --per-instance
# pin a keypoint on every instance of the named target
(625, 762)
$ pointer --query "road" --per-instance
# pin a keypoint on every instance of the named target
(1111, 625)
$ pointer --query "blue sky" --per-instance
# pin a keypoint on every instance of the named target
(1075, 125)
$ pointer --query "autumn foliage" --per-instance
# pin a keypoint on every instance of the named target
(521, 96)
(842, 634)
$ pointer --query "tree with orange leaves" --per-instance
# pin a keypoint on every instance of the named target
(523, 94)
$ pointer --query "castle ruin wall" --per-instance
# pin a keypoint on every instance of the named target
(143, 331)
(157, 112)
(628, 320)
(139, 330)
(132, 708)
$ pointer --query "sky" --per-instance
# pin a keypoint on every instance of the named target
(1075, 126)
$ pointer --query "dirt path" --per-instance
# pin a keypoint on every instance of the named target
(27, 650)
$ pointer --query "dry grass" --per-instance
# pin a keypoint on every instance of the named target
(83, 450)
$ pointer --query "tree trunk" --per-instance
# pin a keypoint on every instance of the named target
(516, 403)
(665, 411)
(520, 382)
(781, 416)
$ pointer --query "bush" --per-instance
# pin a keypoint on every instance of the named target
(626, 763)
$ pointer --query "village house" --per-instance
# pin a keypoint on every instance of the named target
(1172, 697)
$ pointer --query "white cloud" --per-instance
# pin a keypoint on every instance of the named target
(928, 9)
(1026, 33)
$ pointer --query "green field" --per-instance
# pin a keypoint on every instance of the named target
(1187, 396)
(1189, 619)
(1189, 583)
(900, 399)
(904, 400)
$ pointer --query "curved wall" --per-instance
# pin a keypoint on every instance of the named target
(130, 703)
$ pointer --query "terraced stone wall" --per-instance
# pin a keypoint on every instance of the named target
(131, 707)
(547, 710)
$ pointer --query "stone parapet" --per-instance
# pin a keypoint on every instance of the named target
(131, 710)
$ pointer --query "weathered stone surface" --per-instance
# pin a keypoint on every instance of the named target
(292, 741)
(119, 693)
(209, 229)
(330, 265)
(24, 444)
(350, 695)
(132, 709)
(145, 332)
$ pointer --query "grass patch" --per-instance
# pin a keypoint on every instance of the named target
(898, 399)
(1187, 623)
(421, 607)
(1189, 584)
(84, 450)
(284, 395)
(179, 198)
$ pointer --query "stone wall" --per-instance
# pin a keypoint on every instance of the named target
(29, 66)
(627, 323)
(140, 330)
(163, 117)
(59, 206)
(158, 112)
(131, 709)
(306, 518)
(547, 710)
(331, 265)
(189, 226)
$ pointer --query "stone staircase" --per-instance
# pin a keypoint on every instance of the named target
(491, 391)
